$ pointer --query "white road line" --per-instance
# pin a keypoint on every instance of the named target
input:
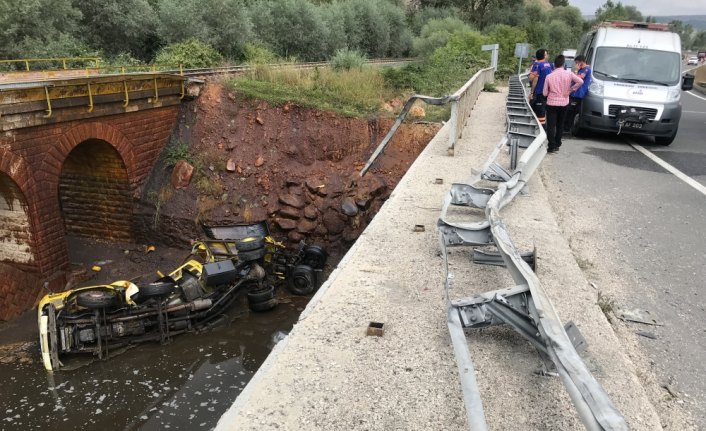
(677, 173)
(702, 98)
(693, 112)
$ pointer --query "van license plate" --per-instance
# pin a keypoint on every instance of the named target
(634, 125)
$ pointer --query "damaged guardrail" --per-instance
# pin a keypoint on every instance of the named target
(462, 102)
(526, 307)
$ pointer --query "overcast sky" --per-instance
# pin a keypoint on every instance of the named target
(649, 7)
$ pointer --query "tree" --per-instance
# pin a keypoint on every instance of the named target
(118, 26)
(436, 33)
(556, 3)
(685, 32)
(611, 11)
(223, 24)
(484, 13)
(569, 15)
(29, 27)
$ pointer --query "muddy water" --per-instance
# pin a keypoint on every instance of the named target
(184, 385)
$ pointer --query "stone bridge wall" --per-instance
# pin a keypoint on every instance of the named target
(31, 161)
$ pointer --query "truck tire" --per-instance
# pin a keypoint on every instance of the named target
(96, 299)
(250, 243)
(248, 256)
(264, 306)
(156, 289)
(314, 256)
(301, 280)
(261, 295)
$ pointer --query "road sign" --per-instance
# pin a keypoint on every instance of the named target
(522, 50)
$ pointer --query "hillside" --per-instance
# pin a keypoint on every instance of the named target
(696, 21)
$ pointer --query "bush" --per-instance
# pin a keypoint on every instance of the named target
(345, 59)
(436, 33)
(258, 53)
(191, 54)
(419, 19)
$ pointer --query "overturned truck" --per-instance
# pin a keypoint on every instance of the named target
(235, 260)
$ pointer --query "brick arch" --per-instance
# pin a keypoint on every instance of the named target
(83, 132)
(15, 167)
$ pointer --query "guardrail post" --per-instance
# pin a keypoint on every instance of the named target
(494, 48)
(453, 126)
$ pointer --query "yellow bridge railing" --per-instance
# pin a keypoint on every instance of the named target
(60, 62)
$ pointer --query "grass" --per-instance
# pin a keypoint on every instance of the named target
(354, 92)
(177, 150)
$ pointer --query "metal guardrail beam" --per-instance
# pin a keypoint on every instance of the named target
(526, 307)
(462, 102)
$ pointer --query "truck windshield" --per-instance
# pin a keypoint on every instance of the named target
(638, 65)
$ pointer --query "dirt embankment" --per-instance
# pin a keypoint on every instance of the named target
(295, 167)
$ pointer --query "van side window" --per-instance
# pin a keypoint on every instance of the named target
(589, 56)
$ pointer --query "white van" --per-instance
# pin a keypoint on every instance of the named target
(569, 55)
(636, 81)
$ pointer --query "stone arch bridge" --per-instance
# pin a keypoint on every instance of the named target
(73, 153)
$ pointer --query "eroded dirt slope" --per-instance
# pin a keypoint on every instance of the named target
(295, 167)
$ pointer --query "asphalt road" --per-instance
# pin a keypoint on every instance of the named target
(639, 231)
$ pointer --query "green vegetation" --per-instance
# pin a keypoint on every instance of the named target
(345, 59)
(176, 151)
(353, 92)
(191, 53)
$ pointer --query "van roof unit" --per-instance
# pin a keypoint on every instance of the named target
(630, 24)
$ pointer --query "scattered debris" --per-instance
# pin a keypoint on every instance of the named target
(637, 315)
(645, 334)
(376, 329)
(439, 181)
(149, 248)
(230, 165)
(259, 161)
(96, 268)
(418, 228)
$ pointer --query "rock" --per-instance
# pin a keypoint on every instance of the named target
(231, 96)
(334, 186)
(285, 108)
(387, 107)
(296, 190)
(310, 212)
(314, 184)
(285, 223)
(306, 226)
(320, 230)
(371, 185)
(259, 120)
(221, 146)
(295, 236)
(333, 223)
(292, 182)
(289, 212)
(292, 200)
(362, 201)
(348, 207)
(230, 165)
(396, 103)
(260, 161)
(181, 175)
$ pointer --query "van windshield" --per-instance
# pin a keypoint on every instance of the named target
(638, 65)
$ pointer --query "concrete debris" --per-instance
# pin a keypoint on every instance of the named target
(230, 165)
(637, 315)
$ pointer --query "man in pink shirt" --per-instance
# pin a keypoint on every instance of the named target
(557, 88)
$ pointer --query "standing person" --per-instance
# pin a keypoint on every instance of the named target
(539, 72)
(576, 97)
(557, 88)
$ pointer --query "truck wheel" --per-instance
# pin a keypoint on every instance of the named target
(301, 280)
(247, 256)
(264, 306)
(261, 295)
(156, 289)
(665, 140)
(250, 243)
(314, 256)
(95, 299)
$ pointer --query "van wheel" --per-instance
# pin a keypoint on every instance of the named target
(576, 129)
(665, 140)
